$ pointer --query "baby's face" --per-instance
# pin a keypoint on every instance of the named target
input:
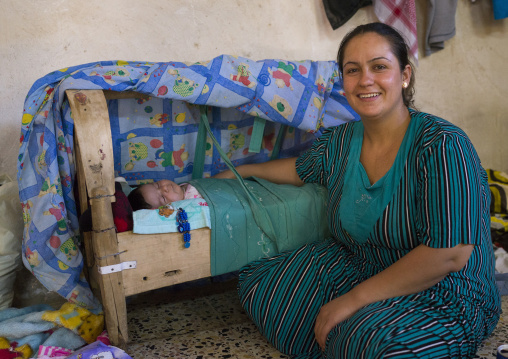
(161, 193)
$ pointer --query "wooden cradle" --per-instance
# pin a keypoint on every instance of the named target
(104, 247)
(137, 269)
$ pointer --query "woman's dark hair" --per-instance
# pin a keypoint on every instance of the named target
(399, 49)
(137, 201)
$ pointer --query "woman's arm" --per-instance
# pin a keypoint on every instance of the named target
(276, 171)
(418, 270)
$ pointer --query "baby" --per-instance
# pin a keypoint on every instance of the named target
(160, 193)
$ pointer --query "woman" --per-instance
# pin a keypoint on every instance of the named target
(409, 271)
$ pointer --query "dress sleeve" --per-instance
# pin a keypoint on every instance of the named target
(453, 193)
(311, 165)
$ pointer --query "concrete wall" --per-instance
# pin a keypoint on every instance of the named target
(465, 83)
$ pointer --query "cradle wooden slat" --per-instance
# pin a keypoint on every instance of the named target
(160, 259)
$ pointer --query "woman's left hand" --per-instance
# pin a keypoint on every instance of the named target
(331, 314)
(418, 270)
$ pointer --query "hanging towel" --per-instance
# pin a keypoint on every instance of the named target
(500, 9)
(440, 24)
(400, 14)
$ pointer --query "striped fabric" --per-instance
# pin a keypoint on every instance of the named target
(442, 200)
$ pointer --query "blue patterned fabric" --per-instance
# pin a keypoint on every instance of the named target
(156, 139)
(153, 139)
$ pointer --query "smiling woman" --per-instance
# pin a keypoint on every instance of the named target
(409, 270)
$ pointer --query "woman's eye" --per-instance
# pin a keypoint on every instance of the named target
(351, 71)
(380, 67)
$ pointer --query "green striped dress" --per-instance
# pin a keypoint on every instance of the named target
(436, 193)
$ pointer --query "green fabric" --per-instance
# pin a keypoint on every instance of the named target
(255, 218)
(260, 215)
(256, 138)
(298, 215)
(365, 203)
(199, 156)
(278, 142)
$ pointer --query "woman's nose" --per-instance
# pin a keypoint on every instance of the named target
(366, 78)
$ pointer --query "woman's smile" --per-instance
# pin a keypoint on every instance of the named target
(369, 96)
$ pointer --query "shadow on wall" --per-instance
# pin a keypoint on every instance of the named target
(29, 291)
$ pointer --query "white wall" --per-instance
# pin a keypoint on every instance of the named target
(465, 83)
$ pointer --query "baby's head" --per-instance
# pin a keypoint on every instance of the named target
(155, 195)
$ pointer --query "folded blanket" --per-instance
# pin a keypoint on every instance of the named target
(25, 324)
(163, 219)
(498, 183)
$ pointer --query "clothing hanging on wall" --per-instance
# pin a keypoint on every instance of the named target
(500, 9)
(440, 24)
(400, 14)
(339, 12)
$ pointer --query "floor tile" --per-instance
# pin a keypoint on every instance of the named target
(228, 307)
(204, 319)
(170, 319)
(247, 338)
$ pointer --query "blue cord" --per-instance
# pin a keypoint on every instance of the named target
(183, 226)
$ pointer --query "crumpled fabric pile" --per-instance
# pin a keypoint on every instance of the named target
(41, 332)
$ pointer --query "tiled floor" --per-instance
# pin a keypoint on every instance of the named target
(204, 319)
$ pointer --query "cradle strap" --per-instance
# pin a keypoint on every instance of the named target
(256, 137)
(199, 153)
(278, 142)
(259, 212)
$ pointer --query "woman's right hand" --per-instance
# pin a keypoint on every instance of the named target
(276, 171)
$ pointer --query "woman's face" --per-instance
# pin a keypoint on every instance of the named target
(372, 77)
(162, 192)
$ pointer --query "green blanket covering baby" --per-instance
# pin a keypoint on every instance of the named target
(297, 216)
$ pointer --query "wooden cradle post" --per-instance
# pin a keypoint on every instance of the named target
(107, 261)
(96, 177)
(122, 264)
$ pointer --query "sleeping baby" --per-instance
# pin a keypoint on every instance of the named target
(161, 193)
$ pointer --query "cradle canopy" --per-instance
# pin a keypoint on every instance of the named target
(305, 95)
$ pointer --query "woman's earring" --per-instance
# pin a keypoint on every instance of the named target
(404, 85)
